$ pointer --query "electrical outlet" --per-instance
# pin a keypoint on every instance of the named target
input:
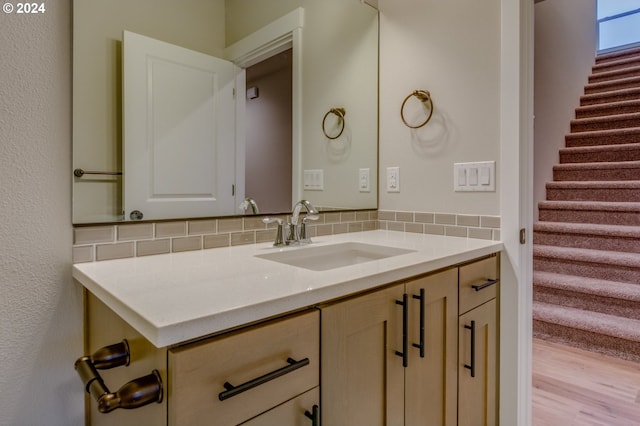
(364, 177)
(393, 179)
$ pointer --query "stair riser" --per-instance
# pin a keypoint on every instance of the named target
(624, 72)
(567, 156)
(579, 140)
(606, 97)
(602, 271)
(594, 194)
(605, 111)
(608, 345)
(596, 174)
(587, 302)
(586, 216)
(610, 86)
(596, 242)
(604, 124)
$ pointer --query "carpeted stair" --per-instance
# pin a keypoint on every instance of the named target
(586, 244)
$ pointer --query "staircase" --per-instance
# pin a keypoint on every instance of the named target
(586, 245)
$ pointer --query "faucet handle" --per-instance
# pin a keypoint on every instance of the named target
(310, 217)
(279, 241)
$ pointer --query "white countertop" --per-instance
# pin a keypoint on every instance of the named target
(177, 297)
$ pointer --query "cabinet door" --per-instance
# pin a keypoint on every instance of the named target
(362, 377)
(477, 392)
(291, 413)
(431, 380)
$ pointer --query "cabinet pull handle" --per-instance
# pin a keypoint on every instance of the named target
(472, 365)
(486, 284)
(134, 394)
(235, 390)
(313, 415)
(420, 345)
(405, 325)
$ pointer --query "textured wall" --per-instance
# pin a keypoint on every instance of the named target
(40, 306)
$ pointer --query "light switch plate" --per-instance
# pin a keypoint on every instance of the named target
(314, 180)
(364, 178)
(393, 179)
(474, 177)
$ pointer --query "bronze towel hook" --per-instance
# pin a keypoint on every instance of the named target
(423, 96)
(340, 112)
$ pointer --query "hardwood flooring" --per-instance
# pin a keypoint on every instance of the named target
(576, 387)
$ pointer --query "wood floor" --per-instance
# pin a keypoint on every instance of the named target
(576, 387)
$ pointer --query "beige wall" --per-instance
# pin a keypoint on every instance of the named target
(565, 44)
(40, 306)
(452, 49)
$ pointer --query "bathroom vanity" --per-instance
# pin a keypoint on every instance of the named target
(404, 333)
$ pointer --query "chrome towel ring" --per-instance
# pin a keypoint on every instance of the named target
(423, 96)
(340, 113)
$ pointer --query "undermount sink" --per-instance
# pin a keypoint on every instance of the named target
(323, 258)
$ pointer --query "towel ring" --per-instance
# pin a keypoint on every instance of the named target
(423, 96)
(340, 112)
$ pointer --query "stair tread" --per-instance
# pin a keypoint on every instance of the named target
(604, 133)
(598, 184)
(621, 231)
(618, 56)
(604, 84)
(607, 118)
(634, 67)
(608, 165)
(587, 97)
(614, 258)
(599, 148)
(605, 288)
(608, 105)
(612, 206)
(611, 325)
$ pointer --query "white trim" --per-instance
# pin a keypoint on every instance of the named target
(280, 35)
(516, 210)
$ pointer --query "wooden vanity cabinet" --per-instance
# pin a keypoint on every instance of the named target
(194, 375)
(478, 337)
(370, 376)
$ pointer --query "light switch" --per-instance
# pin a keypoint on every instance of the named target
(473, 176)
(478, 176)
(485, 175)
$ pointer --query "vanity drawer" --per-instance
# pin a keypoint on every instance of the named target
(478, 283)
(287, 348)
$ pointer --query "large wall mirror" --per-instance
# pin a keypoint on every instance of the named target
(299, 118)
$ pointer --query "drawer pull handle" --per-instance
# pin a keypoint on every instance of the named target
(486, 284)
(472, 365)
(405, 325)
(235, 390)
(420, 345)
(134, 394)
(313, 415)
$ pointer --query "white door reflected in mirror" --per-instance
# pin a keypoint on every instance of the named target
(178, 131)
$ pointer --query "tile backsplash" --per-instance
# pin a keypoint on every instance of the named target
(115, 241)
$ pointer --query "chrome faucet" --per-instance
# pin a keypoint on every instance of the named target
(300, 230)
(294, 232)
(250, 202)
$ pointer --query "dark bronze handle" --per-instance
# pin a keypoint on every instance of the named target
(472, 365)
(405, 325)
(486, 284)
(235, 390)
(136, 393)
(420, 345)
(313, 415)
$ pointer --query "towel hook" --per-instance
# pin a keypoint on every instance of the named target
(340, 113)
(423, 96)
